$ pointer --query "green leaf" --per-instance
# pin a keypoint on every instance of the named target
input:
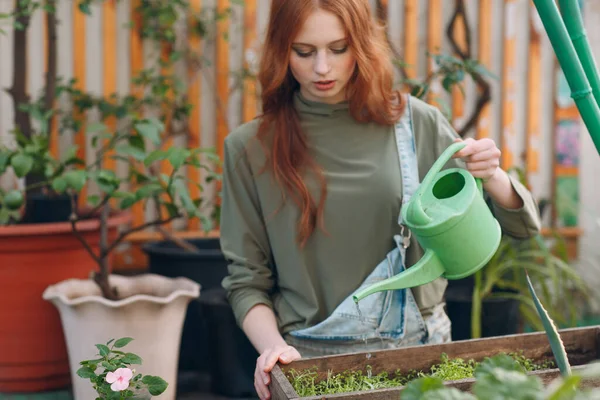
(121, 195)
(414, 390)
(184, 195)
(130, 358)
(49, 170)
(177, 157)
(128, 202)
(103, 349)
(137, 141)
(59, 184)
(449, 393)
(556, 344)
(131, 151)
(84, 7)
(108, 366)
(14, 199)
(172, 209)
(503, 361)
(123, 342)
(500, 384)
(155, 156)
(76, 179)
(4, 159)
(156, 385)
(4, 216)
(86, 373)
(22, 164)
(150, 131)
(71, 153)
(149, 190)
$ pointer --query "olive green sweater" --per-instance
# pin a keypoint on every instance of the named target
(360, 163)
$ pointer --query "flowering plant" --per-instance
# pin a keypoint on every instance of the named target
(112, 375)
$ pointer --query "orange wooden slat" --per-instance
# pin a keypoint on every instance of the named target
(485, 57)
(457, 95)
(222, 73)
(534, 101)
(508, 90)
(249, 101)
(411, 37)
(195, 44)
(136, 52)
(109, 44)
(79, 73)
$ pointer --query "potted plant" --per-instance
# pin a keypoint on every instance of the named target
(100, 199)
(112, 376)
(37, 246)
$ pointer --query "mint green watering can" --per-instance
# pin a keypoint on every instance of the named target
(452, 223)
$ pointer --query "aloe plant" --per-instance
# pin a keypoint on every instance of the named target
(556, 343)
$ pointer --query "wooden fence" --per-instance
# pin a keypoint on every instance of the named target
(530, 114)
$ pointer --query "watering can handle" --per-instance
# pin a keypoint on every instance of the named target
(479, 183)
(442, 160)
(415, 207)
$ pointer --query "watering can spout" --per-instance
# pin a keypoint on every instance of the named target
(427, 269)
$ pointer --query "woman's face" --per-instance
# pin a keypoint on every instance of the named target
(321, 60)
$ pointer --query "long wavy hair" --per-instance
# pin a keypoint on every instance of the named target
(369, 92)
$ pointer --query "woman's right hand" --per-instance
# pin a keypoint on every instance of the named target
(265, 363)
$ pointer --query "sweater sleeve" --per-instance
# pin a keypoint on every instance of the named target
(244, 240)
(523, 222)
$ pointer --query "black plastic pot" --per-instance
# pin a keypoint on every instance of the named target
(232, 356)
(208, 268)
(499, 317)
(42, 209)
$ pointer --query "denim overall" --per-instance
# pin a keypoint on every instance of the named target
(387, 319)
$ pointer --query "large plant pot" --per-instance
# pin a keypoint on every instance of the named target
(33, 355)
(499, 316)
(151, 312)
(208, 267)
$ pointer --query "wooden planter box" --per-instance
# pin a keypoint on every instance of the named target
(582, 345)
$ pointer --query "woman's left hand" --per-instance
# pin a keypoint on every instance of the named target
(482, 157)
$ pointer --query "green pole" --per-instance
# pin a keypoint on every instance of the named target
(571, 14)
(581, 91)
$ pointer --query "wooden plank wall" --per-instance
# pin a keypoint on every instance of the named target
(531, 116)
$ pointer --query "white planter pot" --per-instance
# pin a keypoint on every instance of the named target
(151, 312)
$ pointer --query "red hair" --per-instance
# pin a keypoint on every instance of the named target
(369, 92)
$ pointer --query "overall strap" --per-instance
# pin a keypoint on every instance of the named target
(407, 154)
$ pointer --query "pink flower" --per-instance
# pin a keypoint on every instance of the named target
(119, 379)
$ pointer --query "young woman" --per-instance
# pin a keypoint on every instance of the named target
(312, 191)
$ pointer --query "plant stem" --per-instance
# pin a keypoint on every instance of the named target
(73, 219)
(128, 232)
(51, 61)
(18, 90)
(476, 307)
(169, 236)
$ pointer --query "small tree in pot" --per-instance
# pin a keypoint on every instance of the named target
(132, 167)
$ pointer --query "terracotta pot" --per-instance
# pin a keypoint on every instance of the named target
(151, 312)
(33, 355)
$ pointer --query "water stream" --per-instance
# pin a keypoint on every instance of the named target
(365, 338)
